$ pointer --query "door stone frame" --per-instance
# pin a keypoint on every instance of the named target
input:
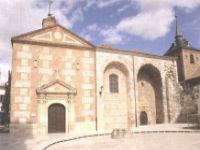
(45, 99)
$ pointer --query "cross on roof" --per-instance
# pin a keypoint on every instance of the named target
(50, 3)
(57, 73)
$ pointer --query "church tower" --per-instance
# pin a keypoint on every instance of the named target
(188, 57)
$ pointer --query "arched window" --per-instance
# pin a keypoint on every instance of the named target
(113, 82)
(191, 59)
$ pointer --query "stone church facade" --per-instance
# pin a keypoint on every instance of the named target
(62, 83)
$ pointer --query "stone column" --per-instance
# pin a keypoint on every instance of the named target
(164, 98)
(71, 113)
(42, 115)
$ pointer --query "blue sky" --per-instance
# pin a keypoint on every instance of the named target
(142, 25)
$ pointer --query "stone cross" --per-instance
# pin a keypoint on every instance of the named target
(50, 3)
(57, 73)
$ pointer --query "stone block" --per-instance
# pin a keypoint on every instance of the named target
(22, 99)
(88, 60)
(24, 76)
(86, 66)
(45, 64)
(46, 50)
(24, 62)
(88, 86)
(86, 79)
(23, 84)
(87, 100)
(69, 52)
(86, 54)
(68, 65)
(68, 72)
(23, 91)
(46, 57)
(22, 120)
(87, 113)
(23, 69)
(25, 48)
(46, 71)
(23, 107)
(24, 55)
(86, 93)
(88, 73)
(21, 114)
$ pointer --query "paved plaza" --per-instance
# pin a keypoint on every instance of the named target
(157, 137)
(168, 141)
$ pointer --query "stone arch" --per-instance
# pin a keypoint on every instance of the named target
(117, 64)
(116, 103)
(150, 93)
(56, 118)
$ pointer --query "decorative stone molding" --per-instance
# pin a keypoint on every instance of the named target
(56, 87)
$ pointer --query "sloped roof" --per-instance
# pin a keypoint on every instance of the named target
(180, 42)
(22, 37)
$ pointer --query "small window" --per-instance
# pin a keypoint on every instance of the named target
(191, 59)
(113, 82)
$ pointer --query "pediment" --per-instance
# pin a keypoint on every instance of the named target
(54, 35)
(56, 87)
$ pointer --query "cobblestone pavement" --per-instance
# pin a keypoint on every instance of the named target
(152, 141)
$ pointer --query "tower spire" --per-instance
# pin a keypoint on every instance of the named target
(178, 32)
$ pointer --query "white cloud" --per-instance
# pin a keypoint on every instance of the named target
(93, 27)
(111, 36)
(147, 25)
(152, 21)
(89, 32)
(102, 3)
(121, 9)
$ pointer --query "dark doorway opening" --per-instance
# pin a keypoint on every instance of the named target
(143, 118)
(56, 118)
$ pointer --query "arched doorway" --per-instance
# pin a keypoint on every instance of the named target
(150, 94)
(56, 118)
(143, 118)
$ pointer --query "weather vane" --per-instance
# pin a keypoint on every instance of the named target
(50, 3)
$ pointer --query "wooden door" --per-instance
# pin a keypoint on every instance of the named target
(143, 118)
(56, 118)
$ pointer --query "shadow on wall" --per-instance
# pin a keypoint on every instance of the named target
(188, 114)
(189, 98)
(150, 93)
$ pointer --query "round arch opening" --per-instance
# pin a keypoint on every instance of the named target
(150, 93)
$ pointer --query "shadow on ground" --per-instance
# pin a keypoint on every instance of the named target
(192, 127)
(4, 129)
(14, 141)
